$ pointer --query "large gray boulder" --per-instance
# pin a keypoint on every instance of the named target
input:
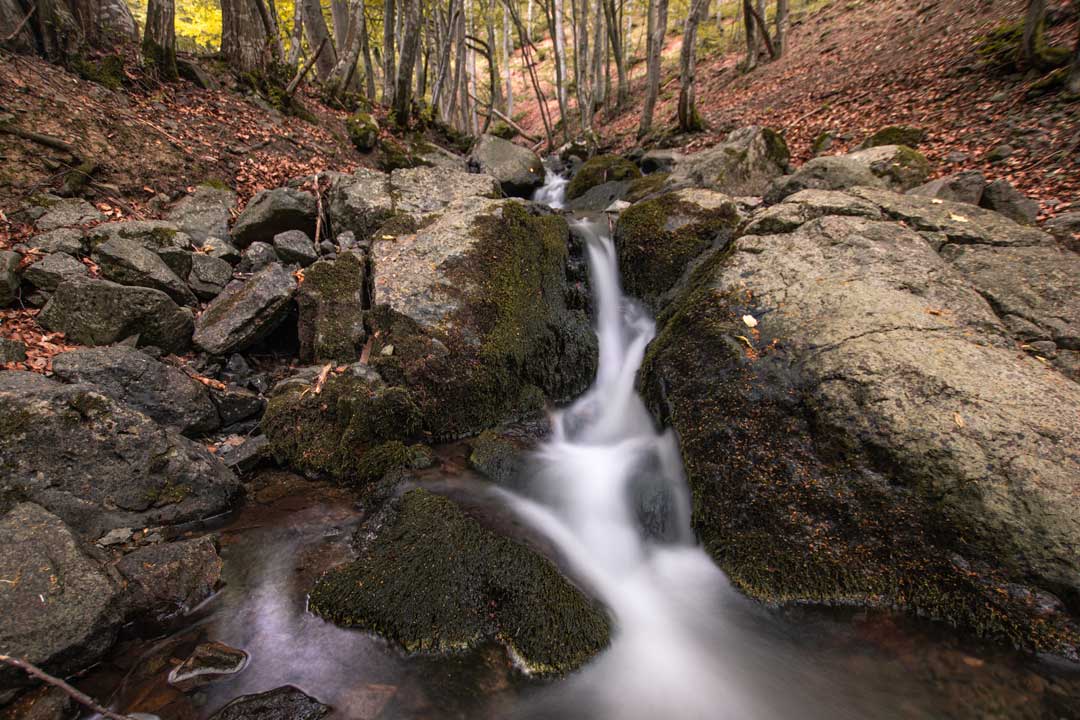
(422, 191)
(62, 240)
(58, 608)
(90, 311)
(245, 312)
(898, 165)
(966, 186)
(898, 449)
(128, 262)
(209, 275)
(359, 203)
(807, 205)
(748, 160)
(331, 302)
(294, 246)
(48, 272)
(66, 212)
(273, 211)
(99, 464)
(154, 235)
(204, 214)
(162, 392)
(518, 170)
(1000, 196)
(9, 276)
(831, 172)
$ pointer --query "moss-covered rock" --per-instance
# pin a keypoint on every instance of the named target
(599, 170)
(657, 239)
(744, 164)
(363, 131)
(331, 304)
(495, 456)
(434, 580)
(901, 167)
(912, 137)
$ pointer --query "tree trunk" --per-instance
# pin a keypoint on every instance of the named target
(105, 23)
(507, 44)
(657, 32)
(296, 37)
(689, 120)
(389, 68)
(316, 32)
(410, 45)
(349, 52)
(159, 39)
(489, 25)
(615, 45)
(599, 53)
(751, 35)
(244, 41)
(528, 22)
(1033, 33)
(365, 48)
(781, 26)
(1072, 84)
(555, 18)
(340, 16)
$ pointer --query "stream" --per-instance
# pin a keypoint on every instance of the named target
(606, 491)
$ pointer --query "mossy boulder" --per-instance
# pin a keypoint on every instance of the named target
(496, 456)
(912, 137)
(743, 165)
(473, 314)
(518, 170)
(434, 580)
(873, 438)
(901, 167)
(330, 427)
(331, 303)
(599, 170)
(657, 239)
(363, 131)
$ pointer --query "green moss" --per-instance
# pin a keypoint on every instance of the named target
(215, 183)
(1001, 49)
(363, 131)
(645, 186)
(502, 130)
(822, 142)
(657, 239)
(159, 60)
(379, 460)
(331, 301)
(330, 432)
(107, 70)
(908, 168)
(790, 515)
(599, 170)
(394, 155)
(435, 580)
(896, 135)
(494, 456)
(776, 148)
(167, 494)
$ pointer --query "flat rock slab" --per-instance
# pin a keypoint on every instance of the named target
(58, 608)
(99, 464)
(359, 203)
(245, 312)
(426, 190)
(204, 214)
(46, 274)
(283, 703)
(128, 262)
(67, 212)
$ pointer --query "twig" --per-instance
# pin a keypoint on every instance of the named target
(508, 121)
(295, 82)
(318, 209)
(41, 139)
(58, 683)
(19, 27)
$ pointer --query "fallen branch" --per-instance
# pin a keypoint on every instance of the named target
(71, 692)
(47, 140)
(20, 26)
(318, 209)
(295, 82)
(504, 118)
(764, 29)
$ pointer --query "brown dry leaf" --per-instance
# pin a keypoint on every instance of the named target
(958, 420)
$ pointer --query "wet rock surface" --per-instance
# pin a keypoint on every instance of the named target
(170, 579)
(208, 663)
(245, 311)
(284, 703)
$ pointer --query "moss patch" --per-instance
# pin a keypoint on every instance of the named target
(363, 131)
(896, 135)
(599, 170)
(331, 302)
(435, 580)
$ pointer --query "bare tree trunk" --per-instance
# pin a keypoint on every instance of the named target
(530, 65)
(339, 15)
(389, 69)
(316, 32)
(244, 41)
(615, 44)
(555, 26)
(689, 120)
(349, 52)
(781, 26)
(159, 39)
(657, 33)
(296, 38)
(751, 37)
(410, 45)
(507, 43)
(489, 25)
(365, 49)
(1033, 33)
(599, 55)
(529, 22)
(1072, 84)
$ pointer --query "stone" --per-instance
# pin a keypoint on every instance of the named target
(62, 612)
(518, 170)
(331, 304)
(11, 351)
(1000, 196)
(966, 186)
(196, 74)
(655, 240)
(359, 203)
(221, 249)
(898, 165)
(1065, 228)
(67, 212)
(274, 211)
(433, 579)
(496, 457)
(660, 160)
(599, 170)
(126, 261)
(895, 135)
(167, 580)
(599, 197)
(807, 205)
(746, 163)
(48, 272)
(99, 464)
(245, 312)
(9, 276)
(999, 153)
(422, 191)
(887, 422)
(294, 246)
(256, 256)
(208, 662)
(363, 130)
(205, 213)
(235, 404)
(162, 392)
(245, 456)
(153, 235)
(90, 311)
(209, 275)
(117, 536)
(831, 172)
(283, 703)
(69, 241)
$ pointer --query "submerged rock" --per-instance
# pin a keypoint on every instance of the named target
(207, 663)
(744, 164)
(245, 312)
(283, 703)
(58, 608)
(496, 457)
(518, 170)
(164, 393)
(98, 312)
(432, 579)
(170, 579)
(98, 464)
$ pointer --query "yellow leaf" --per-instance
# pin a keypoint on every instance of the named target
(958, 218)
(958, 420)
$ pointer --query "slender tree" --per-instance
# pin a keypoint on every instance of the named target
(1072, 84)
(657, 31)
(159, 39)
(410, 46)
(689, 120)
(507, 44)
(317, 33)
(340, 16)
(781, 26)
(751, 34)
(389, 67)
(296, 37)
(615, 46)
(365, 49)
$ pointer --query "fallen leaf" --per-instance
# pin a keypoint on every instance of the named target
(958, 420)
(749, 321)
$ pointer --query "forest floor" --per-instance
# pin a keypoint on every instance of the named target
(853, 67)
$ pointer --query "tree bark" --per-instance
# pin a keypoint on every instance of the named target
(410, 45)
(244, 41)
(159, 39)
(389, 68)
(781, 26)
(1033, 33)
(751, 35)
(689, 120)
(489, 26)
(296, 37)
(365, 49)
(657, 32)
(555, 26)
(615, 45)
(1072, 84)
(340, 16)
(507, 44)
(316, 32)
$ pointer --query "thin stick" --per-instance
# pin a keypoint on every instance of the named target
(40, 139)
(19, 27)
(508, 121)
(58, 683)
(318, 209)
(295, 83)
